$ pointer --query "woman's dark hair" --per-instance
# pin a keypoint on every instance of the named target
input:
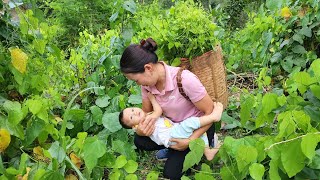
(121, 122)
(136, 56)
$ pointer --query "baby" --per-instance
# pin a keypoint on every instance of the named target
(165, 129)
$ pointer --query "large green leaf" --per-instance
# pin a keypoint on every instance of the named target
(14, 111)
(315, 66)
(246, 107)
(194, 156)
(57, 152)
(292, 157)
(135, 99)
(302, 120)
(115, 174)
(287, 125)
(309, 144)
(96, 114)
(130, 6)
(93, 149)
(269, 102)
(306, 31)
(273, 4)
(245, 156)
(131, 166)
(75, 114)
(266, 37)
(103, 101)
(111, 121)
(121, 161)
(52, 175)
(34, 130)
(274, 170)
(16, 130)
(205, 173)
(315, 164)
(315, 89)
(256, 171)
(34, 105)
(299, 49)
(152, 175)
(131, 177)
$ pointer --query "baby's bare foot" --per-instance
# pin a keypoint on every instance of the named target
(217, 111)
(210, 153)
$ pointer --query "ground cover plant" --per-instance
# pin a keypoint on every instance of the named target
(60, 98)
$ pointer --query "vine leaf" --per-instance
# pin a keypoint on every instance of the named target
(292, 158)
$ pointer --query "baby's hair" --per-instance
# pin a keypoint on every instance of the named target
(121, 121)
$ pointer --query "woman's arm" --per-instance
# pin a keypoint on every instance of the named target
(205, 105)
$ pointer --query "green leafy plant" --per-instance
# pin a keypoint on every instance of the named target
(177, 32)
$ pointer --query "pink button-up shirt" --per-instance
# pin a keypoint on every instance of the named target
(173, 104)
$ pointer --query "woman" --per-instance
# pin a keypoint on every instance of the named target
(140, 64)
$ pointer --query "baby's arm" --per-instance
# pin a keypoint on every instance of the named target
(157, 111)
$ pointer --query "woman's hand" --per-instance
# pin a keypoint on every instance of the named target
(181, 144)
(146, 127)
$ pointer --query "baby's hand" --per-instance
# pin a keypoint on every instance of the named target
(217, 111)
(151, 96)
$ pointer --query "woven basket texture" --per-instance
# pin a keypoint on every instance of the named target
(211, 71)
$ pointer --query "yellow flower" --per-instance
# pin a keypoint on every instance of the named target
(285, 12)
(5, 139)
(19, 59)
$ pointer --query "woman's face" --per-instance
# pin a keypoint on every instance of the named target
(144, 79)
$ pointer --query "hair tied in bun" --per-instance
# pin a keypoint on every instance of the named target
(142, 42)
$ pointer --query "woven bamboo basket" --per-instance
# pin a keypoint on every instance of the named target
(211, 71)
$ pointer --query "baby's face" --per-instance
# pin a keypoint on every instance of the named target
(132, 116)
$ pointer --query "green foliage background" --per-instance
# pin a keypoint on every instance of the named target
(68, 98)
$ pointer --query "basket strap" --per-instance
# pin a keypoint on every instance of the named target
(180, 84)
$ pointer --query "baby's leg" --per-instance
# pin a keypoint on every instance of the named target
(215, 115)
(210, 153)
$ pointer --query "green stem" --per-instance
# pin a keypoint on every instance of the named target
(75, 168)
(281, 142)
(2, 171)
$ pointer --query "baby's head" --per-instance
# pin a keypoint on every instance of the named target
(131, 117)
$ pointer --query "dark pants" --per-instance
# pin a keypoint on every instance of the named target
(174, 164)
